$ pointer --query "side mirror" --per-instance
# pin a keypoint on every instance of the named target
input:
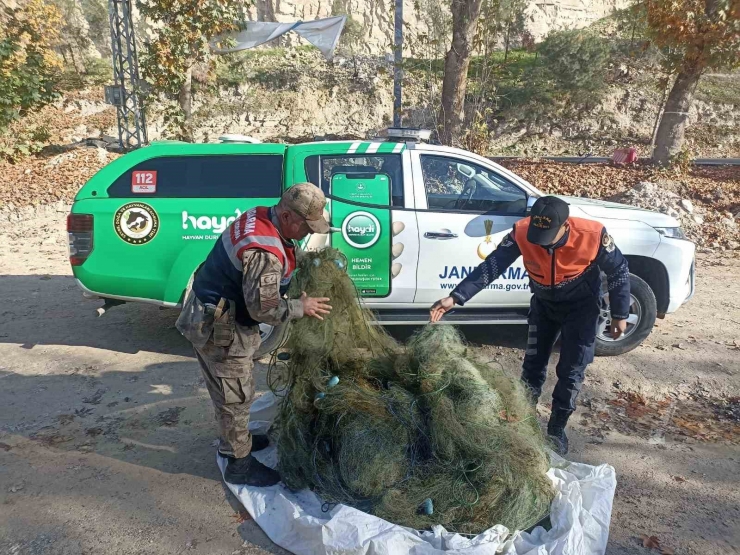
(530, 203)
(466, 170)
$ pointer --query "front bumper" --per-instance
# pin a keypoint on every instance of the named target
(678, 258)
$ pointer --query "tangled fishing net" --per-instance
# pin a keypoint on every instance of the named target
(418, 435)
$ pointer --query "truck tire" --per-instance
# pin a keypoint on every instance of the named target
(272, 338)
(643, 311)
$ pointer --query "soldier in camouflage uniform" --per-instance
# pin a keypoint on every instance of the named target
(241, 284)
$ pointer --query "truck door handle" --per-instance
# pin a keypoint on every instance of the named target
(440, 235)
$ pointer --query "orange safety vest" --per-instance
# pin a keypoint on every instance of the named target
(566, 262)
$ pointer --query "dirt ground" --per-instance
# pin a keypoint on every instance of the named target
(107, 436)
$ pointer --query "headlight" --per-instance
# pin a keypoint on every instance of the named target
(674, 232)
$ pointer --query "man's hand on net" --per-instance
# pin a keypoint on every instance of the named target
(315, 306)
(440, 308)
(617, 328)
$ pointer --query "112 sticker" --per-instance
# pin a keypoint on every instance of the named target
(144, 182)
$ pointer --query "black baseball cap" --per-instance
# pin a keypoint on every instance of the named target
(547, 216)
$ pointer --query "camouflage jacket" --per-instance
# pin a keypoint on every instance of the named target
(261, 277)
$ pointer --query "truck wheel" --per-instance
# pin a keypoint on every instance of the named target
(643, 311)
(272, 338)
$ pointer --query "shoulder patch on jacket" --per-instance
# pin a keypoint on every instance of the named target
(269, 291)
(607, 242)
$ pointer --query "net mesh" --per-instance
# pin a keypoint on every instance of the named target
(419, 435)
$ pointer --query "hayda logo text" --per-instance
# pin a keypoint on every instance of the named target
(216, 224)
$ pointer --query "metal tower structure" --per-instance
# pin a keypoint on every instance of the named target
(125, 94)
(398, 61)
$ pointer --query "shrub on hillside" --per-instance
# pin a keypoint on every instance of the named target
(568, 76)
(576, 61)
(29, 67)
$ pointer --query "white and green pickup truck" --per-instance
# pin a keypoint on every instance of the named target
(417, 219)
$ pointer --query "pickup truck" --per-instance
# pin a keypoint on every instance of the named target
(412, 218)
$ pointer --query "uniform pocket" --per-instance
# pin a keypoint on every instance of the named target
(246, 341)
(237, 391)
(196, 320)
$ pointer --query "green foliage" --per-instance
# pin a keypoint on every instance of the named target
(431, 44)
(353, 32)
(722, 89)
(568, 75)
(96, 14)
(232, 70)
(14, 146)
(627, 33)
(181, 35)
(682, 162)
(575, 61)
(700, 34)
(183, 30)
(501, 21)
(73, 37)
(478, 134)
(98, 71)
(276, 69)
(352, 35)
(29, 67)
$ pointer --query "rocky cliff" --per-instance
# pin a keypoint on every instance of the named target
(375, 17)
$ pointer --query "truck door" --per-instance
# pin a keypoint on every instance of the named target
(381, 244)
(464, 210)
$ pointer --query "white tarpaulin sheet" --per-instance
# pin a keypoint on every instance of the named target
(580, 515)
(322, 33)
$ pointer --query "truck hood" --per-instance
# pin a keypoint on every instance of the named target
(613, 210)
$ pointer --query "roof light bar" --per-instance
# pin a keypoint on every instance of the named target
(235, 138)
(409, 134)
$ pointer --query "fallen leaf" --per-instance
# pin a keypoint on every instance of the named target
(241, 516)
(679, 478)
(651, 542)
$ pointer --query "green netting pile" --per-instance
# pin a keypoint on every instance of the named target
(419, 435)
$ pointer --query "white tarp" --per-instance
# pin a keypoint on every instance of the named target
(322, 33)
(580, 515)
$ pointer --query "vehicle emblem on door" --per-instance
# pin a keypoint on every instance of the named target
(487, 246)
(136, 223)
(360, 186)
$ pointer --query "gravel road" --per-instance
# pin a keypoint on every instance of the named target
(107, 436)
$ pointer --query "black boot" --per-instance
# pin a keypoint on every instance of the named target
(556, 430)
(248, 471)
(259, 442)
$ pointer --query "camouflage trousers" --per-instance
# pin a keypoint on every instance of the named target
(228, 375)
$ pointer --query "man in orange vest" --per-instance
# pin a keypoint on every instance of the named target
(564, 258)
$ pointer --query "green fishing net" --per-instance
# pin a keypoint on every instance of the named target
(419, 435)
